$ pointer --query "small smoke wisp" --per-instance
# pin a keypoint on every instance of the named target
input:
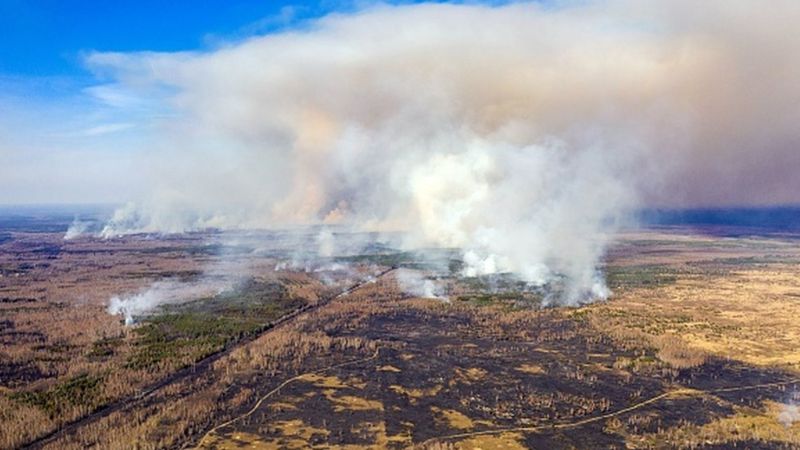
(76, 229)
(326, 243)
(414, 283)
(789, 414)
(161, 293)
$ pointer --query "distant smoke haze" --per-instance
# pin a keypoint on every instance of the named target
(521, 134)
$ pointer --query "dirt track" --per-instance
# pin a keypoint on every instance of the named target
(578, 423)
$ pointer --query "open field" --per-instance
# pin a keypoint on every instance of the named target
(697, 348)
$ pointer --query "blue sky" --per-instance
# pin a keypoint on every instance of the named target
(46, 38)
(62, 123)
(70, 135)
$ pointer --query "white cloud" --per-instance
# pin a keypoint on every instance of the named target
(106, 128)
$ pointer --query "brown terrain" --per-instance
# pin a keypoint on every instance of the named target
(697, 348)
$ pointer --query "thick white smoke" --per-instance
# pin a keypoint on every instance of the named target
(519, 134)
(136, 304)
(161, 293)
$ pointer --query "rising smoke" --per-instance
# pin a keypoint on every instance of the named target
(520, 134)
(160, 293)
(416, 284)
(76, 229)
(789, 414)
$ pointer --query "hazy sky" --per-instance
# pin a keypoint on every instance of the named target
(102, 101)
(65, 134)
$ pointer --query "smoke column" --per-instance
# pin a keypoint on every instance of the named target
(520, 134)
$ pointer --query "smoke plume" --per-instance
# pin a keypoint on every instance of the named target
(414, 283)
(790, 413)
(161, 293)
(520, 134)
(76, 229)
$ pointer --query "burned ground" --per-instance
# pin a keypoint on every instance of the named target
(445, 373)
(695, 349)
